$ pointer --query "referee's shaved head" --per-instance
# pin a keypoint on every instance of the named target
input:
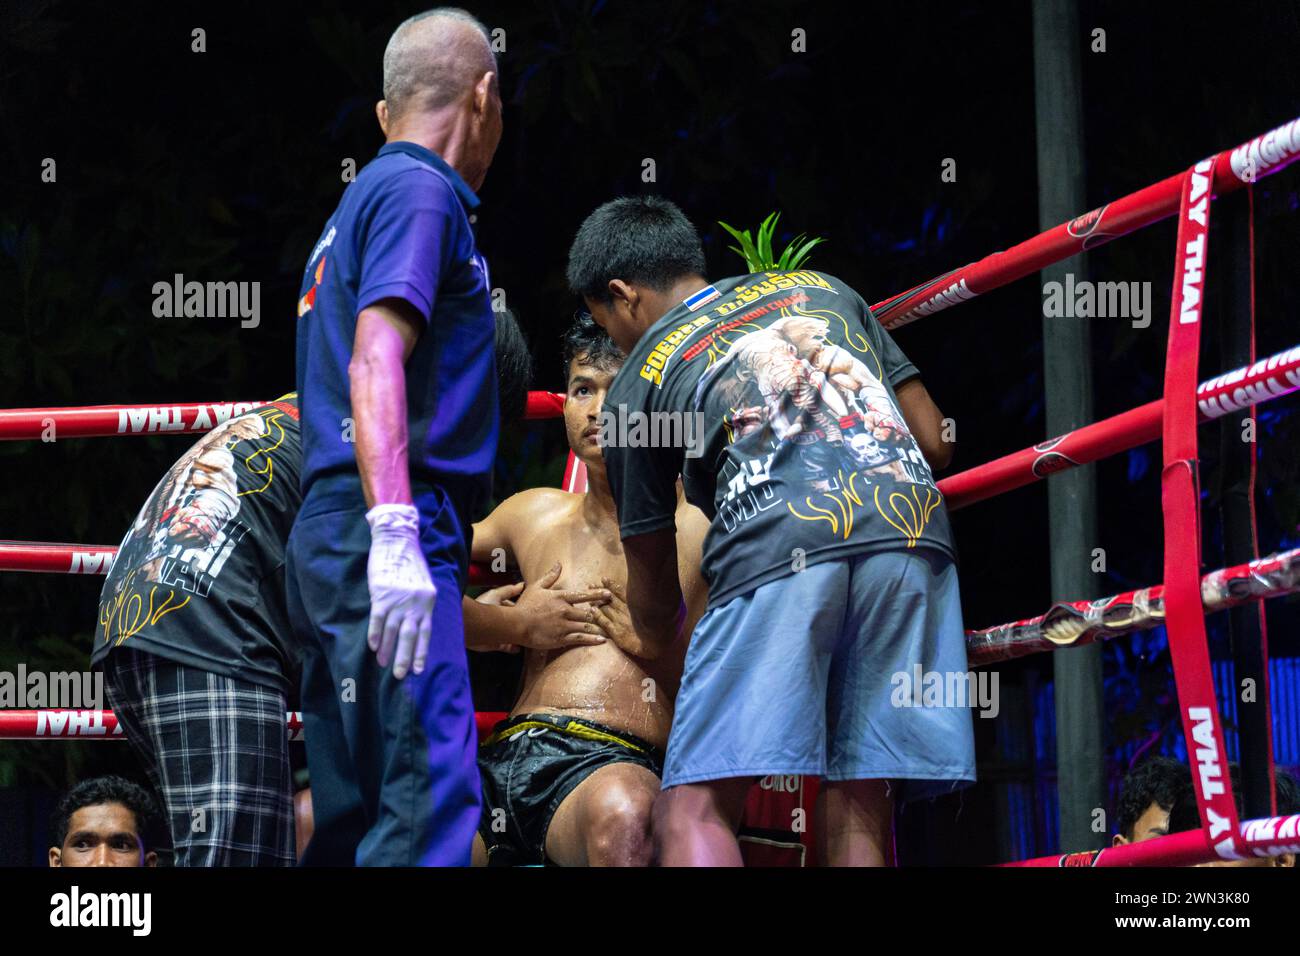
(435, 58)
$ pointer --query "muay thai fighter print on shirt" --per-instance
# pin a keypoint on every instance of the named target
(773, 396)
(199, 576)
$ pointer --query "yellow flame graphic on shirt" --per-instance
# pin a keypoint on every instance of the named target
(844, 500)
(907, 512)
(721, 342)
(912, 514)
(127, 610)
(262, 461)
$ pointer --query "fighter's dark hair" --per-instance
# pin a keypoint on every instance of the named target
(587, 341)
(514, 368)
(639, 239)
(108, 789)
(1159, 780)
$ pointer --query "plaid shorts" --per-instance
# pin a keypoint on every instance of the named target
(217, 750)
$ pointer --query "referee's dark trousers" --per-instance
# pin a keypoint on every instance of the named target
(394, 779)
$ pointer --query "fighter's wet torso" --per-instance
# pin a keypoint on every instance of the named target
(599, 683)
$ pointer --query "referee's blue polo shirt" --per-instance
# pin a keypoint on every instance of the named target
(402, 230)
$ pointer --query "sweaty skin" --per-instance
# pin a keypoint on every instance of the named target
(606, 683)
(621, 683)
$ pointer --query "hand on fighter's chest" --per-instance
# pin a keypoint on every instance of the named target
(586, 555)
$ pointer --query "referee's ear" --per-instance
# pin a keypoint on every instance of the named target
(381, 113)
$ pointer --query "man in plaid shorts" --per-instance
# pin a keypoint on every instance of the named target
(195, 643)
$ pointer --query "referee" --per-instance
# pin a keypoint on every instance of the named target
(399, 424)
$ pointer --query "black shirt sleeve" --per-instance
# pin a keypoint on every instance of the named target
(898, 368)
(642, 479)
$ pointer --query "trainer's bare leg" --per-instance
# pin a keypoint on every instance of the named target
(605, 821)
(854, 823)
(695, 824)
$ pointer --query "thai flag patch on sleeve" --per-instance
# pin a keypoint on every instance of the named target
(707, 294)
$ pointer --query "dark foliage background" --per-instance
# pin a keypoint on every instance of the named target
(223, 165)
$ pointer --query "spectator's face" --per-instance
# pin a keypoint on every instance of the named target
(103, 834)
(1153, 823)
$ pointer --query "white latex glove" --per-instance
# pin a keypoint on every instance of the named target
(402, 594)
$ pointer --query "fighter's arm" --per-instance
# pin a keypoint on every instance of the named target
(489, 626)
(537, 615)
(490, 538)
(925, 422)
(513, 523)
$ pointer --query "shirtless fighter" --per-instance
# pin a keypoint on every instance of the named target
(571, 776)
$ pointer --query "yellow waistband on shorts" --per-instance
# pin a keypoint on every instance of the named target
(573, 728)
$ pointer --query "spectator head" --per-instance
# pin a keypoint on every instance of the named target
(104, 821)
(1148, 795)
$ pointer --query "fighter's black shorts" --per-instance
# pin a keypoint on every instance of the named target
(529, 765)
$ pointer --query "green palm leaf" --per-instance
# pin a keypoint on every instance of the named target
(758, 254)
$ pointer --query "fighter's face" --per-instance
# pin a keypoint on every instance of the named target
(104, 834)
(583, 401)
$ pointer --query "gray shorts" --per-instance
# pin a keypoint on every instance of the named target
(829, 671)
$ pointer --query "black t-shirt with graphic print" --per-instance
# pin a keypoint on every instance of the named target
(773, 395)
(199, 576)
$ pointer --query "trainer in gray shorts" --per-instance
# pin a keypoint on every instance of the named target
(798, 677)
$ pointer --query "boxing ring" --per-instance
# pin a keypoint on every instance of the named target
(1180, 602)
